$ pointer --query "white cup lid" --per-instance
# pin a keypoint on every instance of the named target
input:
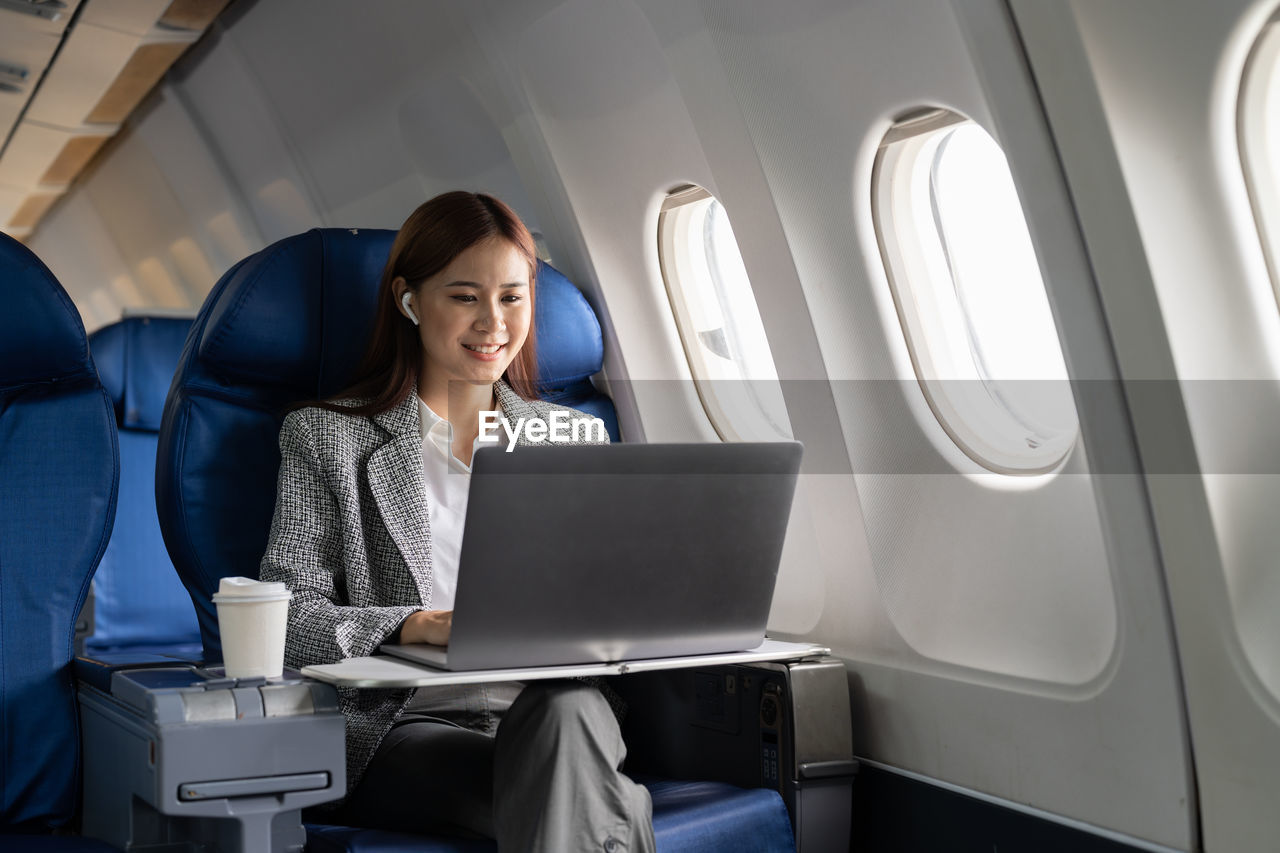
(248, 589)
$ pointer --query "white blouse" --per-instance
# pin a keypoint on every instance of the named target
(448, 481)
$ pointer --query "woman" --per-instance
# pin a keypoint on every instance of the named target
(367, 530)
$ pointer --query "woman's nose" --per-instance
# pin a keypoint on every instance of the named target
(490, 317)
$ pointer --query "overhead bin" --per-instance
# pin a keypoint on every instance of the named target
(70, 89)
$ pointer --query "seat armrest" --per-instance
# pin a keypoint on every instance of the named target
(96, 669)
(175, 755)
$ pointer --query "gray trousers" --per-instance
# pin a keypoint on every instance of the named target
(547, 780)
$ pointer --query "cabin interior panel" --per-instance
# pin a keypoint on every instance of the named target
(1053, 644)
(1170, 109)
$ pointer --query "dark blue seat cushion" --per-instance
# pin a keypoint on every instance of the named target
(138, 597)
(719, 818)
(58, 464)
(570, 348)
(706, 817)
(322, 838)
(136, 358)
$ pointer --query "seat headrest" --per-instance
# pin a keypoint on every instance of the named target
(570, 346)
(288, 317)
(136, 359)
(41, 336)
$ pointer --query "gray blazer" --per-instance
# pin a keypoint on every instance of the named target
(351, 540)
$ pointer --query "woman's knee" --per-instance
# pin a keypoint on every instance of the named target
(561, 704)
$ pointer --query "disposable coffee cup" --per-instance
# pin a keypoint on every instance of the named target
(252, 617)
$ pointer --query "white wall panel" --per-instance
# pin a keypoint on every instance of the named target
(80, 252)
(242, 125)
(214, 214)
(639, 146)
(1160, 188)
(611, 116)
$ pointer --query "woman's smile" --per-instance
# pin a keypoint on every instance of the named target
(485, 352)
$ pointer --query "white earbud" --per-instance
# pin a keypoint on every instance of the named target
(404, 300)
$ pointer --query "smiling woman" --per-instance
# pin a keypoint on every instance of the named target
(371, 506)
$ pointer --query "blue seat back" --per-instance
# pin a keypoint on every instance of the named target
(287, 324)
(58, 470)
(570, 347)
(139, 601)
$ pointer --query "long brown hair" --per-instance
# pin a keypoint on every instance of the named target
(433, 235)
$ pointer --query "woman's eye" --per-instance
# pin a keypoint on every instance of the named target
(512, 297)
(464, 297)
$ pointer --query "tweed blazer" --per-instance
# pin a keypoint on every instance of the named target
(352, 541)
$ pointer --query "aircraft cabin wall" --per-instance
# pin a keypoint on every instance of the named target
(1008, 634)
(1168, 217)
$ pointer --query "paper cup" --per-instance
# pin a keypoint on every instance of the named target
(252, 618)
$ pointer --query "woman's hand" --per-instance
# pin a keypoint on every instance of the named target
(427, 626)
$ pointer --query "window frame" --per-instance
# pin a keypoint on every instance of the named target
(1259, 169)
(676, 266)
(913, 281)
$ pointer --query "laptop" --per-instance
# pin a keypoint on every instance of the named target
(578, 554)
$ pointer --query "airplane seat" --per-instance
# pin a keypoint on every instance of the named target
(287, 324)
(282, 326)
(139, 603)
(58, 473)
(570, 348)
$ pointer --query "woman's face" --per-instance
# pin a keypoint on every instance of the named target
(474, 314)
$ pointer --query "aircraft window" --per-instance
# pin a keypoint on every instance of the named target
(719, 322)
(968, 291)
(1259, 125)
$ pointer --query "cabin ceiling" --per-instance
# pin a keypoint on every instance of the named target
(71, 72)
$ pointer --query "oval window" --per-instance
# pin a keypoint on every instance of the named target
(967, 287)
(719, 322)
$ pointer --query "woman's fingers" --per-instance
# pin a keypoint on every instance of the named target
(428, 626)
